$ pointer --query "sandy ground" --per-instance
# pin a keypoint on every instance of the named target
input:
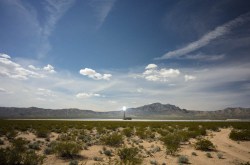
(233, 152)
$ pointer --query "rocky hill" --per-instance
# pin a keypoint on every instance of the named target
(151, 111)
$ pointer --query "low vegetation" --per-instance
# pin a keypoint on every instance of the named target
(130, 156)
(18, 153)
(113, 140)
(67, 149)
(240, 135)
(204, 145)
(121, 142)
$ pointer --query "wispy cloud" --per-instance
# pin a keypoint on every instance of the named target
(203, 57)
(102, 9)
(207, 38)
(55, 10)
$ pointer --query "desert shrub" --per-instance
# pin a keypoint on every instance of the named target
(107, 152)
(84, 137)
(18, 154)
(11, 134)
(3, 156)
(141, 133)
(1, 142)
(209, 155)
(183, 159)
(243, 135)
(204, 145)
(42, 133)
(67, 149)
(247, 163)
(172, 143)
(194, 153)
(48, 151)
(34, 146)
(31, 158)
(220, 155)
(73, 162)
(153, 162)
(130, 155)
(97, 158)
(114, 140)
(127, 132)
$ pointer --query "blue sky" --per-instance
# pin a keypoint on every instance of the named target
(104, 54)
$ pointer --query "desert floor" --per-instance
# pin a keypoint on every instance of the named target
(233, 152)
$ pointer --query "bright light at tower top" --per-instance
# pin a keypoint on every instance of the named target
(124, 108)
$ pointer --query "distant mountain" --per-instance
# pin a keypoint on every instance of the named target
(151, 111)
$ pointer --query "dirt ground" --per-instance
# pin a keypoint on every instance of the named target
(233, 152)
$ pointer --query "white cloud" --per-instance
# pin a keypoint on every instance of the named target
(151, 66)
(189, 77)
(4, 55)
(87, 95)
(13, 70)
(207, 38)
(164, 74)
(49, 68)
(94, 75)
(33, 67)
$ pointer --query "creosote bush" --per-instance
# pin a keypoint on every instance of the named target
(172, 143)
(204, 145)
(243, 135)
(113, 140)
(209, 155)
(128, 132)
(183, 159)
(19, 154)
(67, 149)
(130, 155)
(42, 133)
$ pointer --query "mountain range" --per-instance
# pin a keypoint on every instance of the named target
(156, 111)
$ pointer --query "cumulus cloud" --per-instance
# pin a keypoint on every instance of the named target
(87, 95)
(4, 55)
(33, 67)
(208, 37)
(49, 68)
(189, 77)
(151, 66)
(11, 69)
(151, 73)
(94, 75)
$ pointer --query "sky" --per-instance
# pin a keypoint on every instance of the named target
(105, 54)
